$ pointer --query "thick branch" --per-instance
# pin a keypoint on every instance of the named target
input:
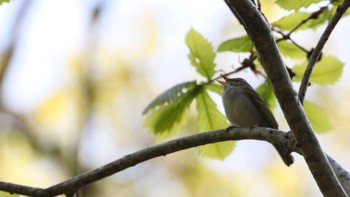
(259, 31)
(76, 183)
(18, 189)
(342, 174)
(163, 149)
(318, 49)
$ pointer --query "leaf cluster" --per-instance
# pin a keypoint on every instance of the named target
(168, 111)
(328, 69)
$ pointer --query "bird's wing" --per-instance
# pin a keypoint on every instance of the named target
(260, 104)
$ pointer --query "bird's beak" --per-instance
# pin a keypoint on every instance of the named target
(222, 82)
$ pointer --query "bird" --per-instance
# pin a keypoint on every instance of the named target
(244, 107)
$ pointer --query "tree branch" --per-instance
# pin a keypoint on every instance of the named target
(342, 174)
(163, 149)
(259, 31)
(318, 49)
(18, 189)
(74, 184)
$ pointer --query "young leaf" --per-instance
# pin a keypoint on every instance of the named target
(214, 88)
(241, 44)
(290, 50)
(324, 17)
(201, 53)
(170, 95)
(318, 117)
(336, 2)
(295, 5)
(168, 118)
(210, 118)
(326, 72)
(266, 92)
(290, 21)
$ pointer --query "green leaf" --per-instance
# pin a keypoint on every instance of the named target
(210, 118)
(324, 17)
(241, 44)
(201, 53)
(295, 4)
(326, 72)
(214, 88)
(170, 95)
(337, 2)
(290, 21)
(258, 65)
(266, 92)
(290, 50)
(167, 119)
(318, 117)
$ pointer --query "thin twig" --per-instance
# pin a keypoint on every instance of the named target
(287, 36)
(247, 63)
(318, 49)
(314, 15)
(298, 45)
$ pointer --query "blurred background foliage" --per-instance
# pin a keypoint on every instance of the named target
(76, 75)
